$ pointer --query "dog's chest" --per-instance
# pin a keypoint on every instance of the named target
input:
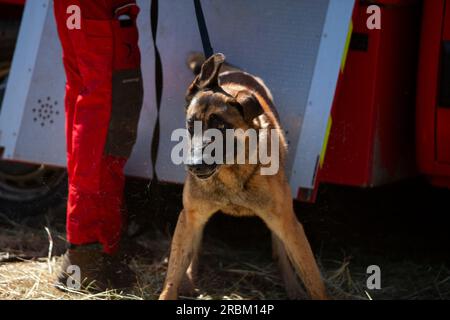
(236, 204)
(234, 199)
(238, 211)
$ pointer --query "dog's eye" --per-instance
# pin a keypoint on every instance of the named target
(217, 123)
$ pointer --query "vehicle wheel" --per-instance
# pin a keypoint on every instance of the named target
(31, 189)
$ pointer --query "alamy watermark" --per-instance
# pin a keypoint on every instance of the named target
(73, 21)
(74, 277)
(374, 20)
(374, 280)
(230, 146)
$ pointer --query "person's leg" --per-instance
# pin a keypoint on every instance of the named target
(98, 144)
(83, 256)
(73, 88)
(101, 140)
(112, 186)
(126, 103)
(90, 122)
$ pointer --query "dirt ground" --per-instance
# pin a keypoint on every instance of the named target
(403, 229)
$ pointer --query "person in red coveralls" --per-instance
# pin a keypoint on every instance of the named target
(103, 101)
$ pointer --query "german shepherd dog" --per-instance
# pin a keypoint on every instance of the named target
(221, 97)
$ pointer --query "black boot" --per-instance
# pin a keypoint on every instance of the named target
(88, 268)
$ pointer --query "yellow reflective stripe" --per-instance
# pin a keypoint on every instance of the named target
(325, 142)
(347, 45)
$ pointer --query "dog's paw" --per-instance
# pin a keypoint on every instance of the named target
(168, 294)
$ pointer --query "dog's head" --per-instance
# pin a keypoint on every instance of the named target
(210, 105)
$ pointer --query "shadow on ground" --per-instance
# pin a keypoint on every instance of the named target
(401, 228)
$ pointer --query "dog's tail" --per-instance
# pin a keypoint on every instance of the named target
(195, 62)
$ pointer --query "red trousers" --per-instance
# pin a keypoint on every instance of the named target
(103, 100)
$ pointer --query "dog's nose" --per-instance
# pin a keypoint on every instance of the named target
(202, 170)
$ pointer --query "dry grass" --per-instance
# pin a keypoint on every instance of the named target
(33, 279)
(27, 271)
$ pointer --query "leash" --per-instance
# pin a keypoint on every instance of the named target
(208, 51)
(207, 48)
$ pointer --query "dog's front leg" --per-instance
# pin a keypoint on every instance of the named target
(189, 279)
(283, 222)
(293, 288)
(185, 243)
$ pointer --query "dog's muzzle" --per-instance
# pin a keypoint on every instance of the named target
(199, 164)
(203, 171)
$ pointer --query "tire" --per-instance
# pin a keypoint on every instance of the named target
(29, 190)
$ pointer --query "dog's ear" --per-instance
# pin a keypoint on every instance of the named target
(248, 105)
(195, 61)
(208, 78)
(209, 73)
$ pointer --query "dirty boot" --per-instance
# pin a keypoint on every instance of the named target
(88, 268)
